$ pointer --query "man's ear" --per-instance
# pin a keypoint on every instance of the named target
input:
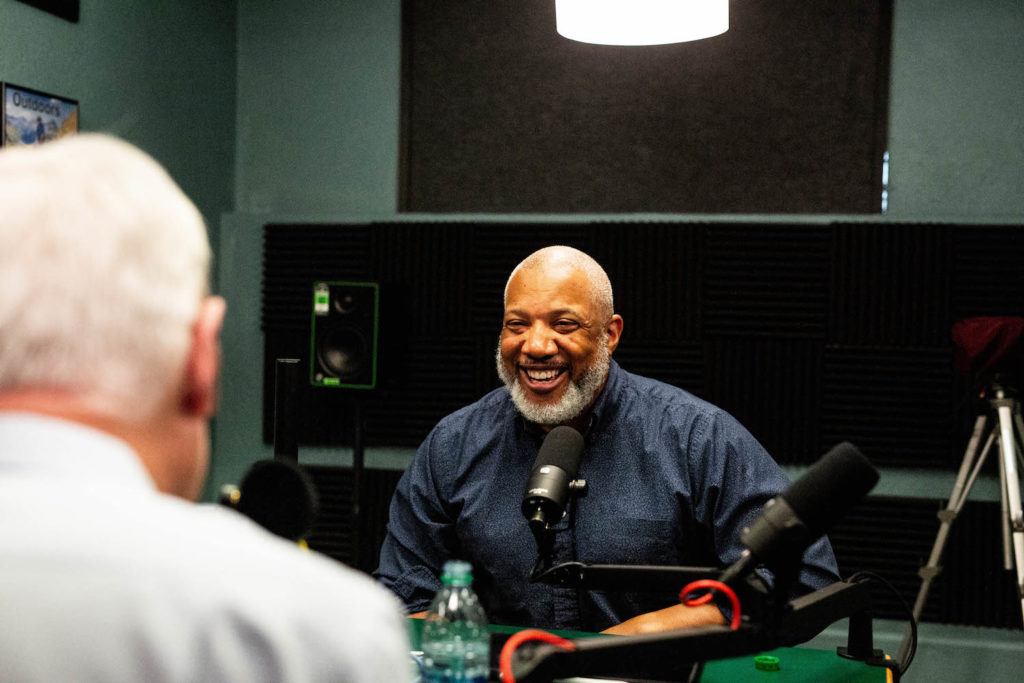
(614, 330)
(203, 366)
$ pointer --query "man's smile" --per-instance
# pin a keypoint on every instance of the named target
(542, 379)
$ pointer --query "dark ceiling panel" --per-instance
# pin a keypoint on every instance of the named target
(784, 113)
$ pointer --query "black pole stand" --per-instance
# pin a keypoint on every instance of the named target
(359, 552)
(286, 405)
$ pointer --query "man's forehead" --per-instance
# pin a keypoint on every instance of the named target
(556, 287)
(554, 275)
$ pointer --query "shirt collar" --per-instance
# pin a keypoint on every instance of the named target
(62, 449)
(605, 404)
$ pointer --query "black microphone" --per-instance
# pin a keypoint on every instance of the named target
(548, 487)
(802, 513)
(279, 496)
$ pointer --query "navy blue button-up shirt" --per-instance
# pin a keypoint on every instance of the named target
(672, 480)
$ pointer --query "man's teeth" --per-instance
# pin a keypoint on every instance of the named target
(542, 375)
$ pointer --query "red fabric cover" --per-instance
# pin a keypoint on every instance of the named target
(987, 344)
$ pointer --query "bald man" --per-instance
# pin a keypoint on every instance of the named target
(672, 479)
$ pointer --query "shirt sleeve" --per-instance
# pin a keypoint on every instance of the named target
(736, 477)
(421, 530)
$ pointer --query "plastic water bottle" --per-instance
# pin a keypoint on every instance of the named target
(456, 642)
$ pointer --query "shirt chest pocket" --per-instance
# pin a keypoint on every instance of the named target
(630, 541)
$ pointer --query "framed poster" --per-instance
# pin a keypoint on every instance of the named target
(65, 9)
(32, 117)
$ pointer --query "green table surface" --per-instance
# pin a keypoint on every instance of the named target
(795, 663)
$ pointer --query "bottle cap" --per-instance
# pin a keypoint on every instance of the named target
(766, 663)
(457, 573)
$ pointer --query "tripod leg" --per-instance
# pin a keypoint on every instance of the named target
(961, 488)
(964, 478)
(1004, 516)
(956, 500)
(977, 469)
(1020, 434)
(1007, 444)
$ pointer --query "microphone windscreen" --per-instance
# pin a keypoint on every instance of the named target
(279, 496)
(831, 487)
(563, 448)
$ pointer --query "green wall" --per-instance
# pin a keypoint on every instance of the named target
(956, 133)
(318, 89)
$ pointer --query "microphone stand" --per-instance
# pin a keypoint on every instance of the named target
(671, 654)
(771, 620)
(621, 576)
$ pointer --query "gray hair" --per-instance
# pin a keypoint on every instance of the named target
(601, 286)
(104, 263)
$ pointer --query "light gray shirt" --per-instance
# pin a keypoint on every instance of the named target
(103, 578)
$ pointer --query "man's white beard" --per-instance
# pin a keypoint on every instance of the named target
(577, 397)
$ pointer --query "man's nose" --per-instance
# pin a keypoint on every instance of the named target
(540, 342)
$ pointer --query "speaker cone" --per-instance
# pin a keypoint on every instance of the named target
(343, 352)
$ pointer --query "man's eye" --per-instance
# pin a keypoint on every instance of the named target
(514, 325)
(566, 325)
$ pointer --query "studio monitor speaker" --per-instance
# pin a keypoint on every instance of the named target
(344, 335)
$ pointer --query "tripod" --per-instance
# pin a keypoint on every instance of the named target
(995, 426)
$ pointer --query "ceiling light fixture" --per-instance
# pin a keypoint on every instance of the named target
(641, 22)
